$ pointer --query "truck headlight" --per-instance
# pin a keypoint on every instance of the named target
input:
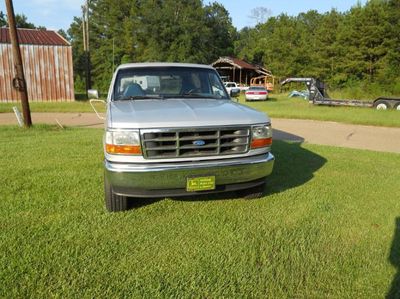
(261, 136)
(123, 142)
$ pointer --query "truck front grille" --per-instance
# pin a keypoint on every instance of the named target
(194, 142)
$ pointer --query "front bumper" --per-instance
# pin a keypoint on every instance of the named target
(169, 179)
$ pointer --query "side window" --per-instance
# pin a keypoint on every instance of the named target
(216, 87)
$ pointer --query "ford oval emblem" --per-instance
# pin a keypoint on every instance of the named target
(199, 142)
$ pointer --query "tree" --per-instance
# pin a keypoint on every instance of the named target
(360, 46)
(151, 30)
(21, 21)
(63, 34)
(222, 34)
(260, 14)
(3, 19)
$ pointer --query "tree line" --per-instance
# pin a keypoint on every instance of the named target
(360, 47)
(140, 30)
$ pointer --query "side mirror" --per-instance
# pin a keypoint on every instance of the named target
(235, 93)
(93, 94)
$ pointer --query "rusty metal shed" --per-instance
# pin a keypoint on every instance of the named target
(47, 60)
(238, 70)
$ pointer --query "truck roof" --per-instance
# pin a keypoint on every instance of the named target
(163, 64)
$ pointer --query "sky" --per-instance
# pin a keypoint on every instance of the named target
(59, 14)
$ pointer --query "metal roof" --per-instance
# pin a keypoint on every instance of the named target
(240, 64)
(34, 37)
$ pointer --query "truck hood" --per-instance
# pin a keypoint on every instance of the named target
(140, 114)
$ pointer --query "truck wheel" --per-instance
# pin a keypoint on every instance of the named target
(114, 203)
(381, 105)
(252, 193)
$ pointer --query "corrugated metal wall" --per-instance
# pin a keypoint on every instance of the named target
(48, 73)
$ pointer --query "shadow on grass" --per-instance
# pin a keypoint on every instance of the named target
(270, 99)
(282, 135)
(136, 203)
(394, 259)
(294, 166)
(80, 96)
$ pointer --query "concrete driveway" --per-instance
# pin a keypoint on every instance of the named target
(316, 132)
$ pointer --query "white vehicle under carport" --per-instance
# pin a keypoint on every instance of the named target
(185, 138)
(232, 88)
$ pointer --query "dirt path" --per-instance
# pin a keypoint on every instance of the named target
(309, 131)
(337, 134)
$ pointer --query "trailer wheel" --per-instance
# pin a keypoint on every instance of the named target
(381, 105)
(397, 106)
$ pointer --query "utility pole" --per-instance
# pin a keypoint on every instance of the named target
(19, 82)
(86, 49)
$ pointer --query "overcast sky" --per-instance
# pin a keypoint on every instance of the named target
(56, 14)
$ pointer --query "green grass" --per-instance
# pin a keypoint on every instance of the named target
(325, 229)
(280, 106)
(77, 106)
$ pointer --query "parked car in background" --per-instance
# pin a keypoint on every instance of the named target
(232, 86)
(256, 93)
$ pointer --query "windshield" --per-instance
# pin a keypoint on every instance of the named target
(168, 82)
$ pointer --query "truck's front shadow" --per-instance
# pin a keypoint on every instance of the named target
(394, 259)
(294, 166)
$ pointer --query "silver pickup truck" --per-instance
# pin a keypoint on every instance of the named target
(172, 130)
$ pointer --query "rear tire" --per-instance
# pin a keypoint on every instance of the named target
(397, 106)
(381, 105)
(114, 202)
(252, 193)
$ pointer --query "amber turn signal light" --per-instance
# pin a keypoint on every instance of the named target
(262, 142)
(123, 149)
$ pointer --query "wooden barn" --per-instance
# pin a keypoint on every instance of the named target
(234, 69)
(47, 61)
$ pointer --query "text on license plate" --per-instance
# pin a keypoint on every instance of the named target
(200, 183)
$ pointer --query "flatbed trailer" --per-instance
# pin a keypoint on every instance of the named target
(319, 96)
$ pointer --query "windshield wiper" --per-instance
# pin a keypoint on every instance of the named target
(143, 97)
(199, 96)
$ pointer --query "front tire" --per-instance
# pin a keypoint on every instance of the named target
(397, 106)
(114, 202)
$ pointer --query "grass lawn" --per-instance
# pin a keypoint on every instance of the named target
(77, 106)
(278, 106)
(328, 227)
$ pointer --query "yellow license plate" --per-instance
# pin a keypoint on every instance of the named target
(200, 183)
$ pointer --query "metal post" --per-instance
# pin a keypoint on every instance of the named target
(88, 70)
(19, 82)
(86, 50)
